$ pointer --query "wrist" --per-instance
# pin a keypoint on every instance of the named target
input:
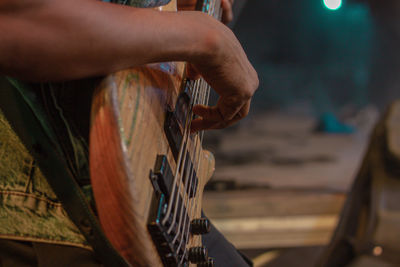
(197, 39)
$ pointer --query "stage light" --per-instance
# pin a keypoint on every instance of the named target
(333, 4)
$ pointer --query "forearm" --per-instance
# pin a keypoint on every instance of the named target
(63, 40)
(55, 40)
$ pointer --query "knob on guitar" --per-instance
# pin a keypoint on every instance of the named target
(200, 226)
(198, 254)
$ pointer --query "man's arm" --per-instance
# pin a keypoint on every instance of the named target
(54, 40)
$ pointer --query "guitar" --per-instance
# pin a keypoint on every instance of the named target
(148, 171)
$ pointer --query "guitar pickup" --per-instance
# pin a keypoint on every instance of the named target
(162, 176)
(174, 133)
(175, 122)
(193, 181)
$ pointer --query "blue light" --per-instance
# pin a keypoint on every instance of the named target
(333, 4)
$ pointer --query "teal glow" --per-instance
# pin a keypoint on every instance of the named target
(333, 4)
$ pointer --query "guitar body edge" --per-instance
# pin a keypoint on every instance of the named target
(127, 134)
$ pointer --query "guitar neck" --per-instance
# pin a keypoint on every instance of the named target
(210, 7)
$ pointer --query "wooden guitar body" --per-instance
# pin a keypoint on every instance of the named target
(128, 142)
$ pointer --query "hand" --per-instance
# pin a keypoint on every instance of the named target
(226, 68)
(226, 5)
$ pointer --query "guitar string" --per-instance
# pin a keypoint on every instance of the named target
(180, 199)
(206, 100)
(193, 210)
(187, 180)
(197, 158)
(208, 90)
(180, 163)
(184, 172)
(189, 173)
(187, 196)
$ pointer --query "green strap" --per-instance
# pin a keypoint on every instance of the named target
(28, 120)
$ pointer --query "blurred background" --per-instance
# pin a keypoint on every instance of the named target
(327, 69)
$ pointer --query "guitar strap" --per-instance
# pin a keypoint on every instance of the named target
(28, 121)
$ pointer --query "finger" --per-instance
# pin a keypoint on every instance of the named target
(225, 110)
(191, 72)
(229, 106)
(244, 111)
(200, 124)
(227, 14)
(228, 111)
(208, 113)
(209, 118)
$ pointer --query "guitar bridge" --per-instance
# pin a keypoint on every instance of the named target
(170, 252)
(171, 245)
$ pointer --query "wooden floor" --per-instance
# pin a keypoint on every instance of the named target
(278, 184)
(254, 219)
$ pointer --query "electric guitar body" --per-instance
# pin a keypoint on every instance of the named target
(148, 172)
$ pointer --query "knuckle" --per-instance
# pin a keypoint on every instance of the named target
(250, 88)
(244, 113)
(256, 82)
(247, 92)
(236, 99)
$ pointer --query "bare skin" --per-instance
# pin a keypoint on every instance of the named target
(57, 40)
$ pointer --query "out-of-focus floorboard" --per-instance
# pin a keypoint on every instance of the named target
(254, 219)
(276, 232)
